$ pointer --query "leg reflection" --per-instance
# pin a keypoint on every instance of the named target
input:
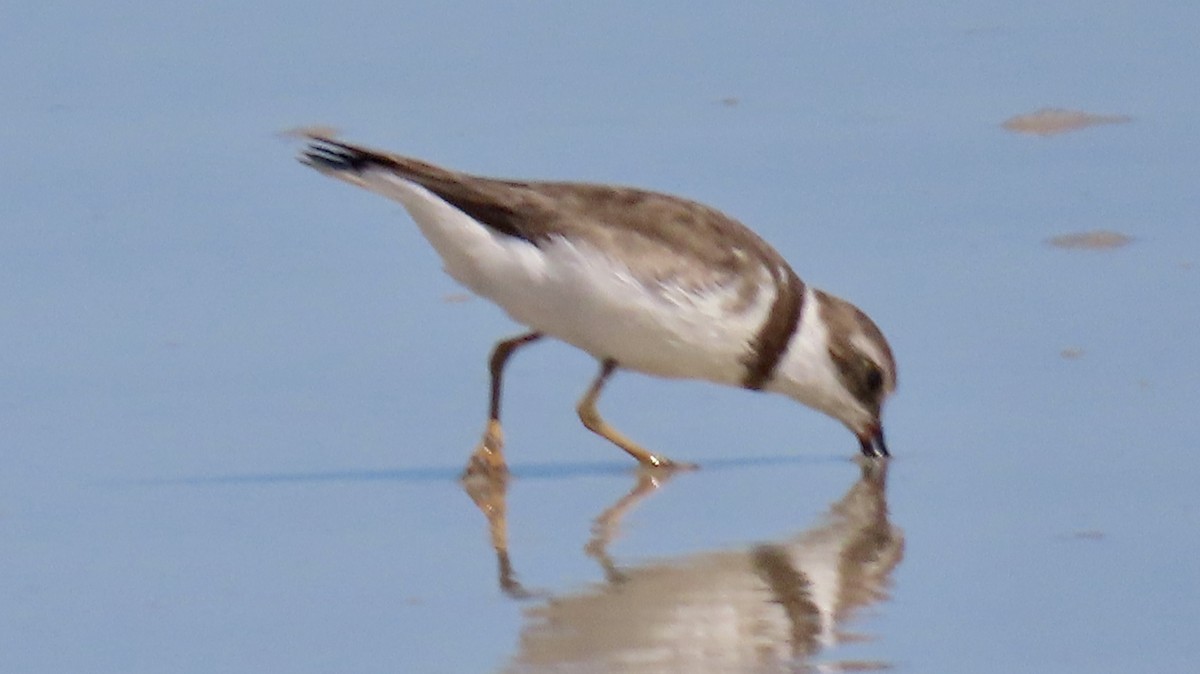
(607, 525)
(490, 494)
(489, 491)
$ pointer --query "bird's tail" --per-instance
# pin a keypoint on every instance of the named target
(354, 163)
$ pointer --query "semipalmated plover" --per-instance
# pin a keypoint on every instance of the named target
(642, 281)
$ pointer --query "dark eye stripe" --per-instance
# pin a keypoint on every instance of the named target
(874, 379)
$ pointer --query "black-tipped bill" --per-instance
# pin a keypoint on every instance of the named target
(873, 444)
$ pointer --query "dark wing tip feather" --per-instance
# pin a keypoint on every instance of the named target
(328, 155)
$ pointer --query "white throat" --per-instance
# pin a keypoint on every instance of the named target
(807, 374)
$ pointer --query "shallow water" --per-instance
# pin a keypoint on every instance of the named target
(235, 396)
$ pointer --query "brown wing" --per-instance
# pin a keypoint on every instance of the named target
(676, 239)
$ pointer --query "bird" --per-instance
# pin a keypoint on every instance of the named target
(641, 280)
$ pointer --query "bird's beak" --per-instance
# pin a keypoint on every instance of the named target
(872, 442)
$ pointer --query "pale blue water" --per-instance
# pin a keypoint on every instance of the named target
(234, 399)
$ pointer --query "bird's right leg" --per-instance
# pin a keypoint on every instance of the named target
(488, 458)
(595, 423)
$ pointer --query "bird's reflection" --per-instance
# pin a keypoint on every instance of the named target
(774, 607)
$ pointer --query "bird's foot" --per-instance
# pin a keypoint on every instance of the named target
(488, 458)
(655, 463)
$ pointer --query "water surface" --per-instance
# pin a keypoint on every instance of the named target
(235, 396)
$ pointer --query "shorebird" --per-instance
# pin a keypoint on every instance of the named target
(640, 280)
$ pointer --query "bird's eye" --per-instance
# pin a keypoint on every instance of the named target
(872, 376)
(861, 375)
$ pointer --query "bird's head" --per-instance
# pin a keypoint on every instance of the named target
(840, 363)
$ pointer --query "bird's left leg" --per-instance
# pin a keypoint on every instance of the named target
(488, 458)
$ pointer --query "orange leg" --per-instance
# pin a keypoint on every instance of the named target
(488, 458)
(596, 424)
